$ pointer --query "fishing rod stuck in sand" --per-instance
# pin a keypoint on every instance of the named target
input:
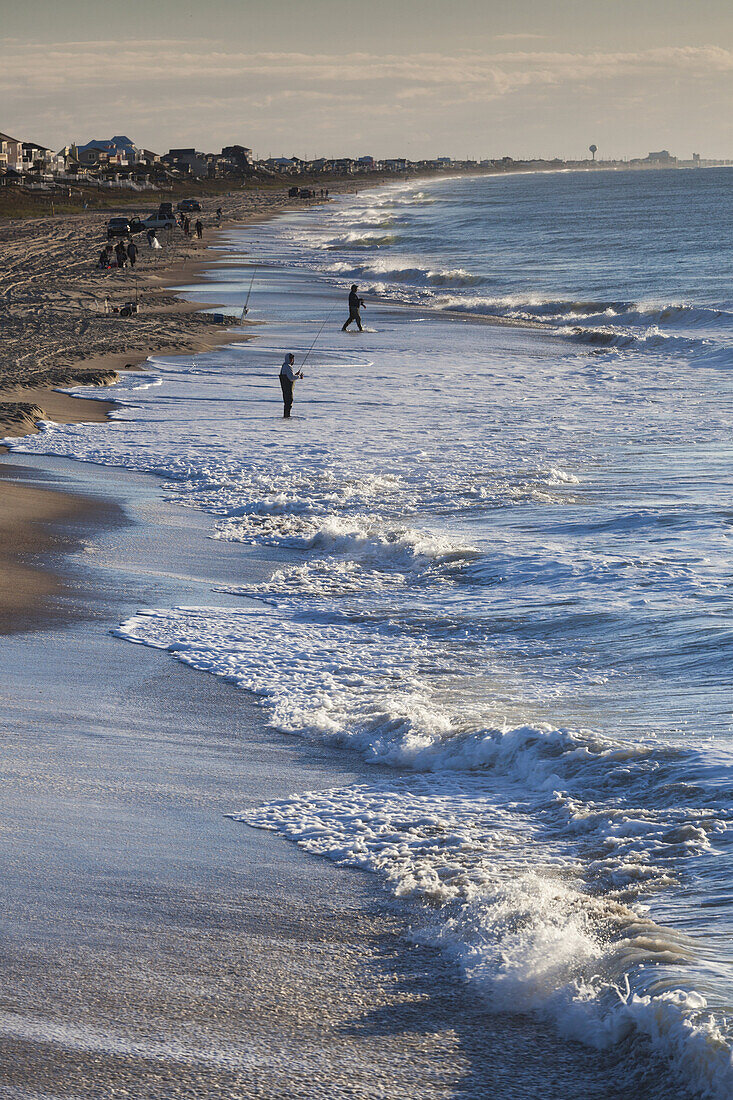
(245, 307)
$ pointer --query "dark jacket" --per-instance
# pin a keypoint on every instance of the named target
(354, 302)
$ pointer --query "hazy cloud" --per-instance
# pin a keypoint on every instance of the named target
(194, 90)
(95, 65)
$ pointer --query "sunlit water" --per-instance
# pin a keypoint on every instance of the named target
(503, 572)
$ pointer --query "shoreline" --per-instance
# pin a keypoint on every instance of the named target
(32, 392)
(155, 947)
(77, 339)
(163, 933)
(171, 326)
(34, 539)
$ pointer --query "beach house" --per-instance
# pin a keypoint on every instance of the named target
(118, 151)
(40, 159)
(188, 161)
(11, 153)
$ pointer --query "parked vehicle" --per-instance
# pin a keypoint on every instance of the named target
(117, 227)
(159, 221)
(166, 208)
(189, 206)
(137, 225)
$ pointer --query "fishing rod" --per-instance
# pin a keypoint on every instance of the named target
(245, 307)
(310, 349)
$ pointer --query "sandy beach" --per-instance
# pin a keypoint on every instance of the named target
(57, 308)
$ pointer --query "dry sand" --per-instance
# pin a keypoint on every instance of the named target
(56, 305)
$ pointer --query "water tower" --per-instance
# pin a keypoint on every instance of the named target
(593, 149)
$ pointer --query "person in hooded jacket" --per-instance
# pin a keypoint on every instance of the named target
(288, 376)
(355, 302)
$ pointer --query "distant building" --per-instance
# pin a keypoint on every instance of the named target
(188, 161)
(117, 151)
(365, 162)
(11, 153)
(40, 159)
(281, 164)
(239, 155)
(662, 157)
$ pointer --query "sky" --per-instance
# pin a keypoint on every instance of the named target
(415, 78)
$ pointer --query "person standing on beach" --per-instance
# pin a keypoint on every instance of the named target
(132, 253)
(121, 254)
(355, 302)
(199, 228)
(287, 380)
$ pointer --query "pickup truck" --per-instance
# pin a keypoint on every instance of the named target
(190, 206)
(117, 227)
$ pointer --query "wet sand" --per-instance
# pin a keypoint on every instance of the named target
(36, 526)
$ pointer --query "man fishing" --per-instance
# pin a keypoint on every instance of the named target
(287, 380)
(355, 302)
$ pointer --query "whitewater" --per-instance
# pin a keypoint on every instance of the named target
(499, 533)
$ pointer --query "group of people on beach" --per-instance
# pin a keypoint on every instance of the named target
(289, 375)
(125, 252)
(119, 255)
(185, 223)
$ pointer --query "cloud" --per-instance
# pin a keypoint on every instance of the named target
(99, 65)
(177, 91)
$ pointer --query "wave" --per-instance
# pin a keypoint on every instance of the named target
(361, 538)
(357, 241)
(614, 822)
(526, 943)
(539, 307)
(712, 352)
(392, 272)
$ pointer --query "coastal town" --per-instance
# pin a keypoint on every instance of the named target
(117, 162)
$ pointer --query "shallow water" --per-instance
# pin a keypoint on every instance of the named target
(504, 573)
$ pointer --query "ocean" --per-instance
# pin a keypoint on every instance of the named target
(500, 526)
